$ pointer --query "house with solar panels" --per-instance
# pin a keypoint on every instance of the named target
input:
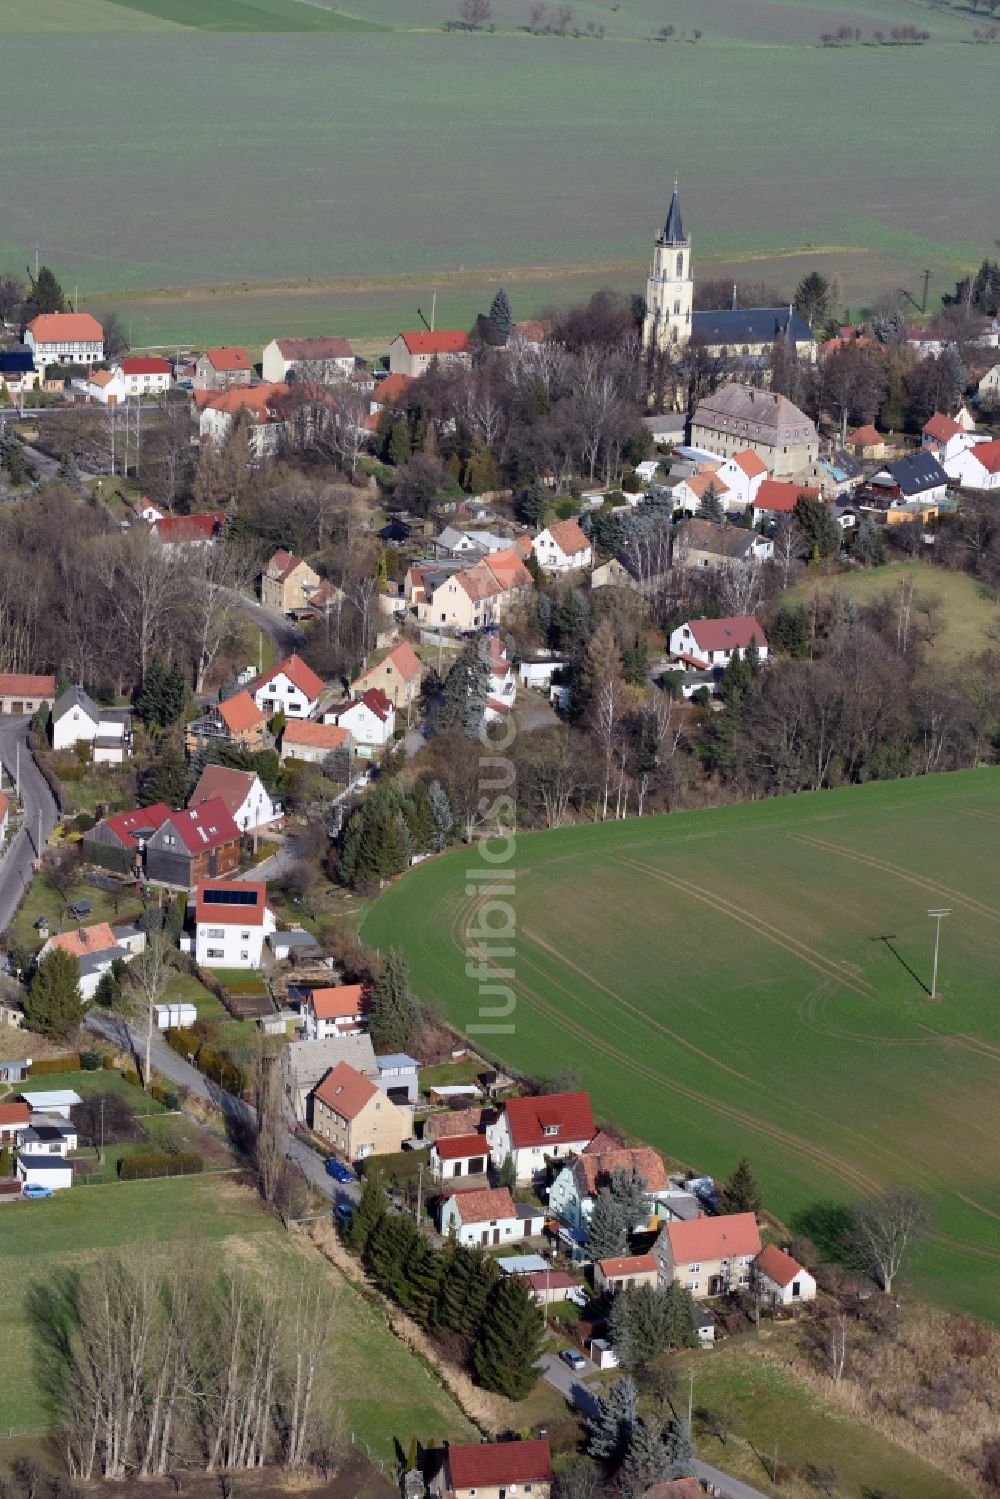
(232, 920)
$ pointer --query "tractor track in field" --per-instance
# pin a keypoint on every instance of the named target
(829, 967)
(977, 907)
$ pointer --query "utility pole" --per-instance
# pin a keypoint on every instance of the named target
(17, 772)
(420, 1188)
(923, 300)
(937, 916)
(100, 1153)
(690, 1396)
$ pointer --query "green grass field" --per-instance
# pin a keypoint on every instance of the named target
(969, 615)
(405, 156)
(383, 1392)
(717, 981)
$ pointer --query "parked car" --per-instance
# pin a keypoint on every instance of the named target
(577, 1296)
(344, 1212)
(575, 1360)
(35, 1189)
(338, 1170)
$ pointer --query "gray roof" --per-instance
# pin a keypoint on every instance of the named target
(305, 1062)
(720, 541)
(917, 473)
(745, 412)
(44, 1162)
(673, 229)
(299, 940)
(75, 697)
(749, 325)
(397, 1060)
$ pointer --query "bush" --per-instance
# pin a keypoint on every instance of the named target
(90, 1061)
(184, 1042)
(55, 1064)
(83, 822)
(160, 1163)
(109, 1063)
(131, 1076)
(72, 773)
(166, 1094)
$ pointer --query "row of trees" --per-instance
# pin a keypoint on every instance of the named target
(637, 1451)
(489, 1320)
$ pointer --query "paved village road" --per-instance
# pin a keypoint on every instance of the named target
(284, 632)
(17, 864)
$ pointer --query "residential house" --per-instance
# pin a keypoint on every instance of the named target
(742, 475)
(105, 386)
(919, 476)
(304, 1064)
(737, 417)
(95, 949)
(288, 583)
(77, 719)
(412, 354)
(202, 530)
(338, 1011)
(938, 430)
(501, 692)
(458, 1155)
(776, 497)
(26, 692)
(704, 544)
(315, 743)
(326, 598)
(562, 548)
(549, 1286)
(323, 360)
(243, 793)
(988, 387)
(692, 492)
(477, 596)
(119, 841)
(535, 1131)
(397, 674)
(353, 1115)
(49, 1135)
(781, 1279)
(64, 338)
(291, 688)
(232, 920)
(197, 844)
(977, 467)
(836, 476)
(481, 1216)
(369, 719)
(708, 1256)
(494, 1470)
(57, 1102)
(866, 443)
(398, 1076)
(14, 1120)
(17, 370)
(264, 407)
(454, 1122)
(575, 1189)
(714, 642)
(145, 376)
(625, 1272)
(219, 369)
(237, 721)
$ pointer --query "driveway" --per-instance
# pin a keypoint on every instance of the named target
(284, 632)
(17, 865)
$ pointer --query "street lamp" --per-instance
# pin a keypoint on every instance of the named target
(937, 917)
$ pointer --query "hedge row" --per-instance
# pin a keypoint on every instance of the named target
(160, 1163)
(211, 1063)
(70, 1063)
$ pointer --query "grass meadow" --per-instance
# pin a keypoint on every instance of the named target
(273, 149)
(718, 982)
(381, 1389)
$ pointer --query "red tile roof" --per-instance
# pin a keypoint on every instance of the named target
(298, 673)
(14, 1113)
(777, 1265)
(776, 494)
(258, 399)
(231, 786)
(203, 828)
(941, 427)
(223, 914)
(129, 827)
(342, 999)
(550, 1280)
(456, 1122)
(713, 1238)
(700, 484)
(988, 454)
(750, 462)
(865, 437)
(388, 391)
(496, 1464)
(137, 365)
(552, 1119)
(26, 684)
(628, 1264)
(568, 537)
(484, 1205)
(402, 656)
(66, 327)
(345, 1091)
(333, 347)
(328, 736)
(376, 700)
(727, 634)
(460, 1147)
(225, 360)
(593, 1170)
(240, 713)
(176, 529)
(445, 341)
(88, 939)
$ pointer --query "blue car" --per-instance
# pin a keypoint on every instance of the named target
(35, 1189)
(339, 1171)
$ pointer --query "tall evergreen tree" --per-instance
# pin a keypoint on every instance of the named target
(629, 1189)
(422, 1285)
(46, 294)
(510, 1339)
(165, 779)
(680, 1318)
(478, 689)
(420, 818)
(53, 1006)
(637, 1326)
(395, 1016)
(388, 1252)
(680, 1450)
(711, 507)
(441, 814)
(500, 319)
(483, 1276)
(741, 1193)
(610, 1427)
(646, 1461)
(368, 1214)
(607, 1233)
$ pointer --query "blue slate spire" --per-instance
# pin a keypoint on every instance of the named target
(673, 229)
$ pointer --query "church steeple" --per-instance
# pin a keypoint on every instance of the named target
(673, 229)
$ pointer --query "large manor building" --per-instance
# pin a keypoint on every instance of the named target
(736, 331)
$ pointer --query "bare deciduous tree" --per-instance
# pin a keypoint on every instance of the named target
(884, 1229)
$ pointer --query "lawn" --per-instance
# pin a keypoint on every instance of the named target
(44, 900)
(969, 615)
(555, 120)
(446, 1074)
(768, 1409)
(717, 981)
(383, 1392)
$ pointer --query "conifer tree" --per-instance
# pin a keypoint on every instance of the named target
(478, 690)
(420, 818)
(646, 1461)
(610, 1427)
(606, 1234)
(388, 1252)
(629, 1189)
(398, 448)
(395, 1016)
(422, 1284)
(510, 1339)
(680, 1450)
(150, 700)
(165, 778)
(711, 507)
(370, 1211)
(679, 1316)
(46, 293)
(741, 1193)
(53, 1006)
(441, 815)
(483, 1276)
(500, 319)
